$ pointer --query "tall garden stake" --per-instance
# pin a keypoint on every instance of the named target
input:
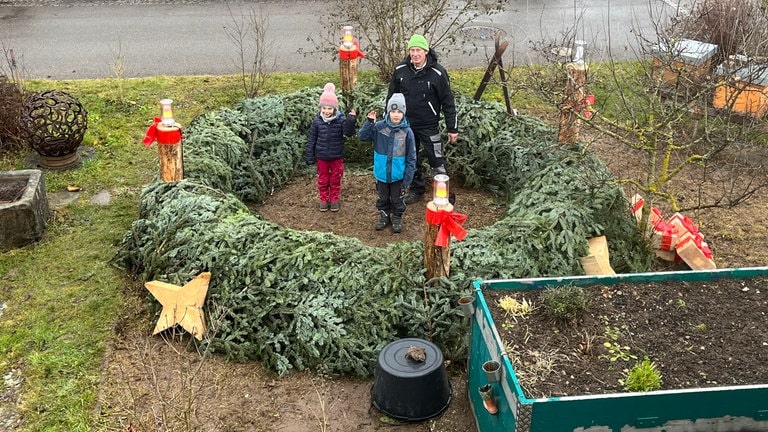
(496, 61)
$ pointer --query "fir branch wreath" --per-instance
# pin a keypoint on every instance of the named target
(307, 300)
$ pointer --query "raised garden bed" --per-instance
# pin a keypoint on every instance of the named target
(690, 323)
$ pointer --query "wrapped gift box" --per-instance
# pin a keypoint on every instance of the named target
(695, 252)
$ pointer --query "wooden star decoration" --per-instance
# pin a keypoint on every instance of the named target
(181, 305)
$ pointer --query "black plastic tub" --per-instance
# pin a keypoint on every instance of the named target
(407, 389)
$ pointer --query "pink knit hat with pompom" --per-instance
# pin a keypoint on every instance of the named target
(328, 98)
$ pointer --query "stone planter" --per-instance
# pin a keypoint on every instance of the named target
(733, 408)
(23, 208)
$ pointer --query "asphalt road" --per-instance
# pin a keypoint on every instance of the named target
(61, 39)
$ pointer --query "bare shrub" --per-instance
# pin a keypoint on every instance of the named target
(735, 26)
(248, 32)
(385, 27)
(11, 100)
(660, 109)
(171, 382)
(119, 67)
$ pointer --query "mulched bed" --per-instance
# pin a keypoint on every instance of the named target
(699, 334)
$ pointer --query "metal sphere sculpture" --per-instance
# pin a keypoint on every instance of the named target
(54, 123)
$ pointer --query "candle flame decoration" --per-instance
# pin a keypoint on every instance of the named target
(167, 112)
(440, 190)
(348, 38)
(578, 57)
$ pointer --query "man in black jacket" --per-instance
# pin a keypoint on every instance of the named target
(427, 90)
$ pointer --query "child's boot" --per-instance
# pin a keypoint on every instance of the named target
(489, 403)
(383, 220)
(397, 223)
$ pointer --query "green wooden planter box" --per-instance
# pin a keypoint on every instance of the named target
(720, 409)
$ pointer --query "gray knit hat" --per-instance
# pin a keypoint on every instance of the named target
(396, 102)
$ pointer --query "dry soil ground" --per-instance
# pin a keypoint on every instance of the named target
(698, 334)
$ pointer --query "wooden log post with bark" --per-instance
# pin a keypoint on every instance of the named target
(349, 57)
(437, 260)
(170, 153)
(348, 74)
(575, 94)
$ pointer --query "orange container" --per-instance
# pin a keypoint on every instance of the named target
(744, 90)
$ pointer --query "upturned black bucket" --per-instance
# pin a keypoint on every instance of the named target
(407, 387)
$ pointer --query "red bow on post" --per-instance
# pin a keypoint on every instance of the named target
(151, 134)
(449, 222)
(166, 135)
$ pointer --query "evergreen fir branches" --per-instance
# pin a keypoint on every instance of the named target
(304, 300)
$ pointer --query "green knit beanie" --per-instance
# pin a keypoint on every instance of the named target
(418, 40)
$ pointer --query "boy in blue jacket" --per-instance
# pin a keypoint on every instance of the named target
(325, 146)
(394, 160)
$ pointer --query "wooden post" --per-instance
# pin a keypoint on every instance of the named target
(437, 260)
(505, 90)
(170, 152)
(575, 92)
(348, 74)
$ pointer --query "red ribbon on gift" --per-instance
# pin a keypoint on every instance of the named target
(449, 223)
(667, 234)
(698, 240)
(655, 216)
(685, 222)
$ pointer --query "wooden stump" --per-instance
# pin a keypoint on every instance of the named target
(575, 92)
(437, 260)
(348, 74)
(171, 160)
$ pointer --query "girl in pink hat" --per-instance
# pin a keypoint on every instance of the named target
(325, 146)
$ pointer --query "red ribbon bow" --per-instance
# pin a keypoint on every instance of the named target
(351, 53)
(698, 240)
(449, 222)
(667, 232)
(151, 134)
(167, 135)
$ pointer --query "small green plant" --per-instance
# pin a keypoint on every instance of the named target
(514, 307)
(679, 303)
(701, 327)
(565, 303)
(616, 351)
(643, 376)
